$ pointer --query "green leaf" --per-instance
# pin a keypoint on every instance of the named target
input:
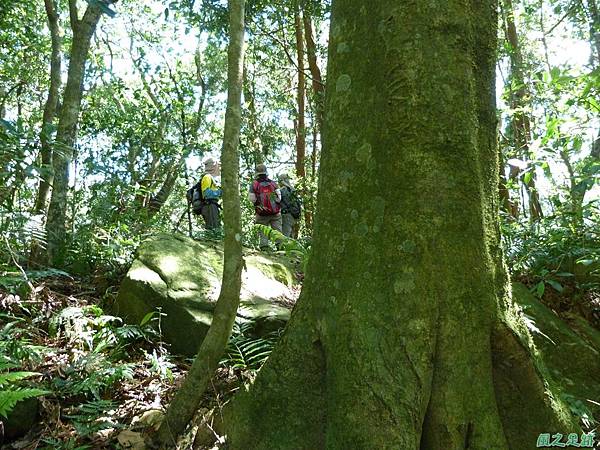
(146, 318)
(540, 288)
(585, 262)
(11, 377)
(556, 285)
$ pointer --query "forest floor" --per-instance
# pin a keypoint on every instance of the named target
(109, 381)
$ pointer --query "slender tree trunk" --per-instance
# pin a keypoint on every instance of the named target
(507, 204)
(594, 18)
(389, 345)
(187, 398)
(318, 89)
(36, 253)
(300, 96)
(2, 102)
(43, 194)
(520, 103)
(254, 141)
(14, 161)
(66, 136)
(317, 80)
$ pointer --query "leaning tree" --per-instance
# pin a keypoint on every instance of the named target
(400, 336)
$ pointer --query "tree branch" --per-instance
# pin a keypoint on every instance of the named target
(73, 14)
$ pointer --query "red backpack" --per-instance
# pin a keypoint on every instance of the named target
(266, 199)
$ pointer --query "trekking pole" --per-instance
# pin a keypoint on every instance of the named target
(189, 215)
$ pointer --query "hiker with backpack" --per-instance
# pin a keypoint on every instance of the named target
(290, 204)
(204, 196)
(265, 195)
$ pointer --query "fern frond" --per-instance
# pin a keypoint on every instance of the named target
(8, 399)
(11, 377)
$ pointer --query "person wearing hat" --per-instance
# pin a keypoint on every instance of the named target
(265, 195)
(290, 204)
(211, 194)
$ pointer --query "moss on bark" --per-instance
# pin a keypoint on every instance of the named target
(390, 346)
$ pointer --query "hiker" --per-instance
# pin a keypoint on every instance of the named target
(266, 197)
(290, 204)
(206, 193)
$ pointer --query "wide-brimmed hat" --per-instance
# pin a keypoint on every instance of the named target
(284, 179)
(261, 169)
(210, 164)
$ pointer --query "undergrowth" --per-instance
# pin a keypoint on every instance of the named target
(95, 376)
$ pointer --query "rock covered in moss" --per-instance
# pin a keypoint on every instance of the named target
(182, 278)
(21, 419)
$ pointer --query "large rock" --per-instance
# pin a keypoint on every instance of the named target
(21, 419)
(182, 278)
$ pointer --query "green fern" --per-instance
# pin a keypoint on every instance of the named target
(11, 377)
(11, 395)
(245, 352)
(9, 398)
(291, 247)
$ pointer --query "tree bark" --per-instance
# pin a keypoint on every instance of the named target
(36, 253)
(389, 345)
(253, 135)
(520, 104)
(66, 136)
(318, 89)
(43, 194)
(594, 16)
(187, 398)
(317, 80)
(300, 95)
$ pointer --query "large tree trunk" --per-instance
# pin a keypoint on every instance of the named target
(520, 103)
(45, 183)
(66, 136)
(389, 345)
(187, 399)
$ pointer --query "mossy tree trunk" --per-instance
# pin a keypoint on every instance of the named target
(66, 135)
(36, 253)
(389, 345)
(43, 194)
(186, 401)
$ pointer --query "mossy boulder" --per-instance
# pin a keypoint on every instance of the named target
(21, 419)
(182, 277)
